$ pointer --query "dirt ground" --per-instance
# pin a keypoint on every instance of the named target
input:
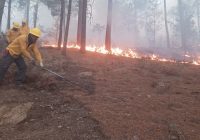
(117, 98)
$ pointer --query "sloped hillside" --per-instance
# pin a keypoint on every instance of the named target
(113, 98)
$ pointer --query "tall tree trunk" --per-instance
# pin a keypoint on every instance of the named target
(62, 11)
(9, 13)
(182, 23)
(83, 27)
(166, 24)
(36, 13)
(64, 22)
(198, 18)
(135, 16)
(109, 27)
(67, 28)
(79, 22)
(57, 28)
(27, 11)
(2, 5)
(154, 28)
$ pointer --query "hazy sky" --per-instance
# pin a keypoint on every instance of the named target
(45, 18)
(99, 14)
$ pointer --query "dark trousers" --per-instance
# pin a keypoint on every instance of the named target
(5, 63)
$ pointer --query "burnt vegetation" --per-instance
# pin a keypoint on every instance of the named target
(90, 87)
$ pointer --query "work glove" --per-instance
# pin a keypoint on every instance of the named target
(41, 64)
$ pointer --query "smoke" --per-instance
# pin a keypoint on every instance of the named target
(127, 31)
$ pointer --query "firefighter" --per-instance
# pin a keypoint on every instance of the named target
(24, 28)
(13, 33)
(24, 45)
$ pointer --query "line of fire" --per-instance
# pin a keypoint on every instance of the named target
(99, 69)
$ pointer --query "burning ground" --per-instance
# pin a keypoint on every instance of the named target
(128, 99)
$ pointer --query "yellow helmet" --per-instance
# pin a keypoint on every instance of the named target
(16, 25)
(36, 32)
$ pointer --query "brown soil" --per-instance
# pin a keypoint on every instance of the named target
(117, 98)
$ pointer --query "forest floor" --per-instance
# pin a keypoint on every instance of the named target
(126, 99)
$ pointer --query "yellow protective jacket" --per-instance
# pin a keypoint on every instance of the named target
(24, 30)
(20, 47)
(12, 35)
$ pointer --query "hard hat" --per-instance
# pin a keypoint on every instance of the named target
(36, 32)
(16, 25)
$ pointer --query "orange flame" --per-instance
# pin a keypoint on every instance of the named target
(130, 53)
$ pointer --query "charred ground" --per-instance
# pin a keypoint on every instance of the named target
(127, 99)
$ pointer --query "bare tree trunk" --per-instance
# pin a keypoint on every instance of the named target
(154, 28)
(182, 23)
(36, 13)
(64, 22)
(2, 5)
(109, 26)
(166, 25)
(198, 19)
(67, 28)
(135, 16)
(57, 28)
(62, 2)
(79, 22)
(9, 13)
(27, 11)
(83, 27)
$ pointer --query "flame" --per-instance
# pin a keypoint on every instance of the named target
(196, 63)
(187, 56)
(130, 53)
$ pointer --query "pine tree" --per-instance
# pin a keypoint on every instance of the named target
(67, 28)
(109, 26)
